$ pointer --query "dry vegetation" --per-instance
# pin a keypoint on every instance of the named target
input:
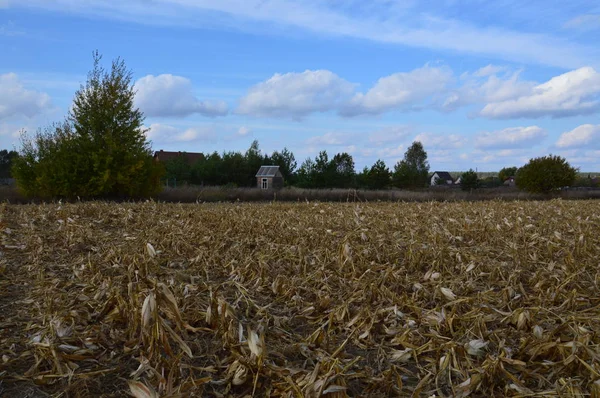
(301, 300)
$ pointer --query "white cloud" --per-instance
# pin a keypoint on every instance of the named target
(489, 70)
(413, 23)
(484, 86)
(296, 95)
(390, 134)
(440, 141)
(163, 133)
(400, 91)
(584, 136)
(584, 22)
(573, 93)
(243, 131)
(330, 138)
(394, 153)
(16, 100)
(511, 138)
(168, 95)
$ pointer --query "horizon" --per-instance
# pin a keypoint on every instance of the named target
(482, 86)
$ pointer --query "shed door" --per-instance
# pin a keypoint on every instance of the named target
(265, 183)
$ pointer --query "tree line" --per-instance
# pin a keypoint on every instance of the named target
(239, 169)
(101, 149)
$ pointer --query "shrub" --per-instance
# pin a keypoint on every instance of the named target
(545, 174)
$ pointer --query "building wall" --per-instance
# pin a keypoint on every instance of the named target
(273, 182)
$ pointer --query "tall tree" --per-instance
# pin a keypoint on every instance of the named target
(254, 159)
(286, 162)
(341, 172)
(6, 162)
(379, 176)
(413, 170)
(99, 150)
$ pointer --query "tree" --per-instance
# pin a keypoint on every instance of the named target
(6, 162)
(469, 180)
(507, 172)
(306, 174)
(413, 170)
(545, 174)
(99, 150)
(286, 162)
(341, 171)
(379, 176)
(179, 169)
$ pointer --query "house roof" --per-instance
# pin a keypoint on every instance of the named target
(165, 156)
(444, 175)
(267, 171)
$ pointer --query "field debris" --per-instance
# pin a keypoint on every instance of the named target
(301, 299)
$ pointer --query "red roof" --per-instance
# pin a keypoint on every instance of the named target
(165, 156)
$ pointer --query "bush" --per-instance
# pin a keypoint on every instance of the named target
(545, 174)
(100, 150)
(469, 180)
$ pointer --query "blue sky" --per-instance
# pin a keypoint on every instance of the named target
(482, 84)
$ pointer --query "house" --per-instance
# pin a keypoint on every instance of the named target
(165, 156)
(441, 175)
(269, 177)
(510, 181)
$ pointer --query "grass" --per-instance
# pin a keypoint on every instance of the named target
(302, 299)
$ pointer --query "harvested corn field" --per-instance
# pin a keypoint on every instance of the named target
(301, 300)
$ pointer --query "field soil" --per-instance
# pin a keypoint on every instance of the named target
(300, 299)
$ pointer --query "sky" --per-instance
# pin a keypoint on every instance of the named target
(482, 84)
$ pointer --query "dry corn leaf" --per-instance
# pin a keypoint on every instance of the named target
(140, 390)
(449, 294)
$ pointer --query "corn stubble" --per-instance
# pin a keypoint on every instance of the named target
(303, 300)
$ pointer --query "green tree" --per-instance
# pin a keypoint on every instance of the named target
(341, 172)
(413, 170)
(469, 180)
(287, 164)
(306, 174)
(545, 174)
(6, 162)
(379, 176)
(507, 172)
(254, 159)
(99, 150)
(179, 169)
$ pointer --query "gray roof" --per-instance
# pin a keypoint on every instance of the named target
(444, 175)
(267, 171)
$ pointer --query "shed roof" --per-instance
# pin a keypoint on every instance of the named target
(267, 171)
(444, 175)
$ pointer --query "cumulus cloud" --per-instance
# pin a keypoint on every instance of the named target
(510, 138)
(573, 93)
(16, 100)
(403, 91)
(485, 86)
(437, 141)
(389, 134)
(168, 95)
(584, 136)
(296, 95)
(164, 133)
